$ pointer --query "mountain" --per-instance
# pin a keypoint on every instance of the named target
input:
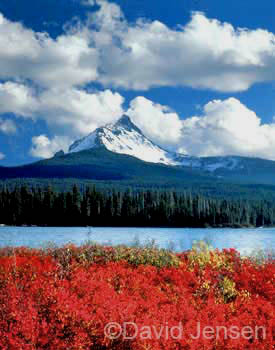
(124, 137)
(120, 154)
(100, 164)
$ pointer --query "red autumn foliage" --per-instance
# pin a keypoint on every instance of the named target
(61, 300)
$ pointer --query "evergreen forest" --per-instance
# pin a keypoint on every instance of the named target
(90, 206)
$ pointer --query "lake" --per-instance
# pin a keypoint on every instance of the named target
(246, 241)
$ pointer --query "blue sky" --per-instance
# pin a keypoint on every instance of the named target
(196, 76)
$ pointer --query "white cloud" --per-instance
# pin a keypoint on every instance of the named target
(7, 126)
(2, 156)
(79, 112)
(157, 122)
(46, 78)
(65, 61)
(75, 112)
(227, 128)
(18, 99)
(204, 53)
(43, 147)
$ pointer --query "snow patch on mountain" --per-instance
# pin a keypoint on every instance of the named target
(83, 144)
(124, 137)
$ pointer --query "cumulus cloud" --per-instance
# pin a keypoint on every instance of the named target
(107, 49)
(43, 147)
(65, 61)
(17, 98)
(224, 128)
(79, 112)
(7, 126)
(73, 111)
(227, 127)
(46, 78)
(204, 53)
(156, 121)
(2, 156)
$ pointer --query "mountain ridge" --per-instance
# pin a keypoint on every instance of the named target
(91, 159)
(125, 137)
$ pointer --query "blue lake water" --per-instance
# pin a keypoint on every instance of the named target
(246, 241)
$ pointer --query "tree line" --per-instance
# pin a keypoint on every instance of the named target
(92, 207)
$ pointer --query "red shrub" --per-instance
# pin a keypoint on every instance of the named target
(58, 301)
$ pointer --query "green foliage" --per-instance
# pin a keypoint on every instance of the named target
(95, 253)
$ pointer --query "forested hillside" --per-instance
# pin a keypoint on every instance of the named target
(91, 207)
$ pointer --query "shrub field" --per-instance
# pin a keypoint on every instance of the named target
(65, 298)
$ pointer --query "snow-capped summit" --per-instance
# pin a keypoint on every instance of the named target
(126, 138)
(126, 123)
